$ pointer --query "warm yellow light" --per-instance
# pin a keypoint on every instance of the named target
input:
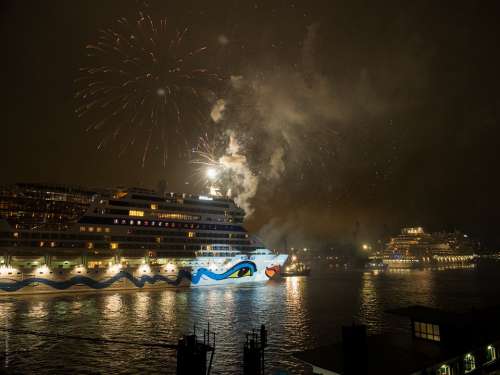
(294, 258)
(121, 194)
(114, 245)
(365, 246)
(170, 267)
(154, 206)
(191, 234)
(7, 270)
(136, 213)
(42, 270)
(177, 216)
(114, 268)
(212, 173)
(144, 268)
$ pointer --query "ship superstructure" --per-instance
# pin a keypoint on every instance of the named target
(70, 238)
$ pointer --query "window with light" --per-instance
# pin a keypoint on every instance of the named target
(443, 370)
(469, 363)
(491, 353)
(427, 331)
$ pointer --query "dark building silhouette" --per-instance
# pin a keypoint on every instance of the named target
(440, 343)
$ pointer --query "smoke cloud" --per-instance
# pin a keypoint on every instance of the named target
(292, 123)
(277, 115)
(243, 182)
(218, 110)
(276, 164)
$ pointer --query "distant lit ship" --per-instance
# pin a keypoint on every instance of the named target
(59, 238)
(416, 248)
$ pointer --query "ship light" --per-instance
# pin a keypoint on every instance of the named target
(114, 268)
(80, 268)
(170, 267)
(144, 268)
(42, 270)
(5, 270)
(294, 258)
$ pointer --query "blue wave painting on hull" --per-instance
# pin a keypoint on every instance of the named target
(138, 282)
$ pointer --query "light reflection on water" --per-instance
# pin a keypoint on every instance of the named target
(299, 313)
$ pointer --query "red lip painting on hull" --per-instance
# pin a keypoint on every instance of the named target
(272, 271)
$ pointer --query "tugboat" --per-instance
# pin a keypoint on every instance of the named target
(296, 268)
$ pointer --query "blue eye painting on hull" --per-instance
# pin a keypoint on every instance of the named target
(248, 267)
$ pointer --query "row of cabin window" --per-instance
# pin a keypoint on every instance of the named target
(97, 229)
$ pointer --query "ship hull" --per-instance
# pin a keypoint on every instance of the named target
(219, 271)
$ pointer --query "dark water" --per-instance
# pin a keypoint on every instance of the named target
(300, 313)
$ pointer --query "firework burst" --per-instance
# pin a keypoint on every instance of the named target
(209, 170)
(142, 87)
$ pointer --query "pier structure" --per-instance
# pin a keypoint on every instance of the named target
(192, 353)
(253, 352)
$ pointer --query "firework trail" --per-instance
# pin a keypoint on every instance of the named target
(143, 87)
(209, 171)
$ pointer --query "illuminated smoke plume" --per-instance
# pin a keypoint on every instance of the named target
(276, 164)
(284, 122)
(272, 117)
(222, 40)
(237, 82)
(218, 110)
(243, 183)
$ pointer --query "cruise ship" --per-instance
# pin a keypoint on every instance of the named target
(415, 247)
(56, 238)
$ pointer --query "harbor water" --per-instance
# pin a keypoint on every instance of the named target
(299, 312)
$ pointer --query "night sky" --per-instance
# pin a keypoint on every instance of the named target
(350, 114)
